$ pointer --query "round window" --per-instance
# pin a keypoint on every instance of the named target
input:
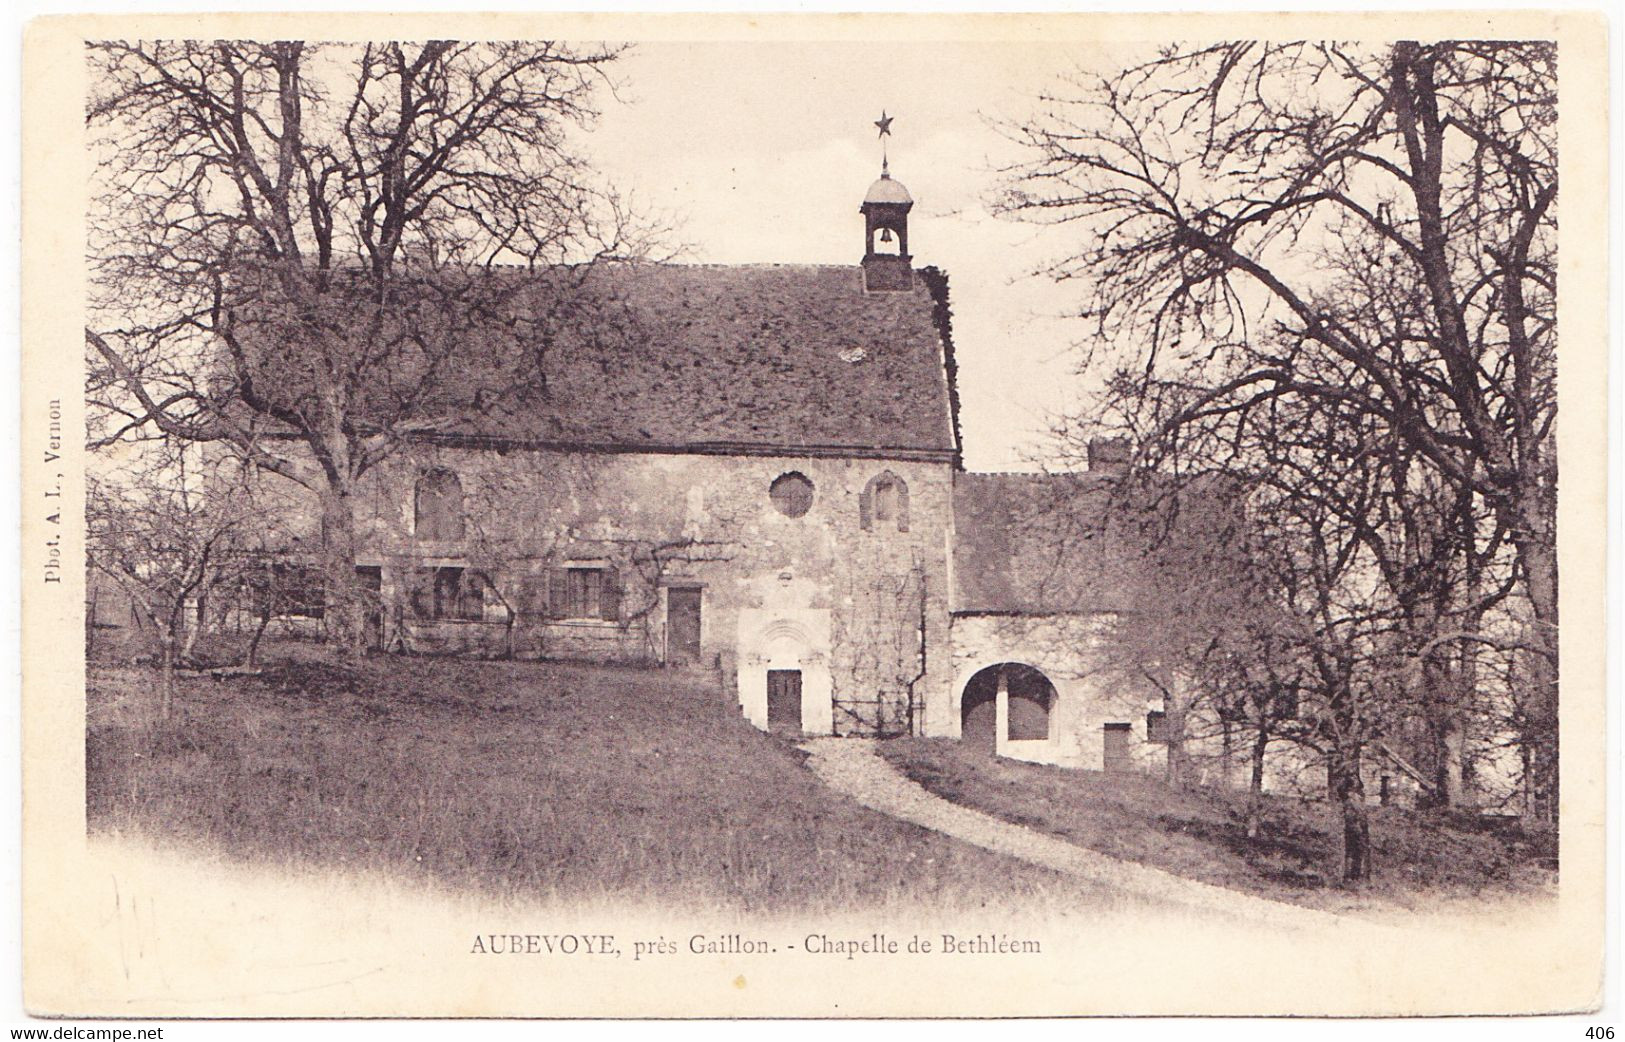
(791, 493)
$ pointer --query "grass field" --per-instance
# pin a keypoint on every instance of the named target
(526, 780)
(1420, 859)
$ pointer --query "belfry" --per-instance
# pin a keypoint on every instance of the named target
(885, 209)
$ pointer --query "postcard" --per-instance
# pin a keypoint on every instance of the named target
(813, 516)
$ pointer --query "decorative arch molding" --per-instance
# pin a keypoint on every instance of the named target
(796, 639)
(884, 501)
(787, 631)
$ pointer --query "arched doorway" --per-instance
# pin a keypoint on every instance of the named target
(1030, 697)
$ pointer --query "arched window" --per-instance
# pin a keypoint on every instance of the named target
(437, 508)
(884, 502)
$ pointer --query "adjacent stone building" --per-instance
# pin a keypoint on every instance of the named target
(1040, 584)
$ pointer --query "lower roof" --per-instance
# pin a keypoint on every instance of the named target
(1069, 544)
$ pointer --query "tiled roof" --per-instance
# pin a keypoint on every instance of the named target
(1033, 543)
(1036, 544)
(758, 357)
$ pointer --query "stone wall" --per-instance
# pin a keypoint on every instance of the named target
(820, 592)
(1071, 651)
(1067, 650)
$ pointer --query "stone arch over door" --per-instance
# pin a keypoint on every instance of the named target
(1006, 702)
(776, 643)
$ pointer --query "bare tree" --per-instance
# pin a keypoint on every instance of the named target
(168, 535)
(1294, 617)
(267, 583)
(1246, 212)
(1254, 678)
(294, 248)
(1190, 594)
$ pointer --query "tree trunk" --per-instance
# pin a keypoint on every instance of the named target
(90, 628)
(343, 615)
(1356, 842)
(1458, 791)
(166, 674)
(1540, 726)
(1178, 772)
(1348, 796)
(253, 658)
(1441, 759)
(1526, 788)
(1255, 783)
(1452, 778)
(1541, 780)
(1541, 697)
(196, 630)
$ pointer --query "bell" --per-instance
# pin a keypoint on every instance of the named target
(885, 235)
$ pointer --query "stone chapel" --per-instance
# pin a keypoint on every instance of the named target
(769, 485)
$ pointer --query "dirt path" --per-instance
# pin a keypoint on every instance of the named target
(850, 766)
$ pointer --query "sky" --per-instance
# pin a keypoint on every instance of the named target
(763, 152)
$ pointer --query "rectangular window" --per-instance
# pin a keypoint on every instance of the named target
(584, 592)
(448, 593)
(1156, 726)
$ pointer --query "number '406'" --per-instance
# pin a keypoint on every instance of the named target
(1600, 1033)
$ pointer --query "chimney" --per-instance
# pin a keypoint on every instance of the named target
(1109, 456)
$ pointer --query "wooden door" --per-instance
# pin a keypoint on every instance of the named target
(371, 580)
(784, 701)
(1117, 758)
(683, 624)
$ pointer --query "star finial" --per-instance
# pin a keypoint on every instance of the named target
(884, 123)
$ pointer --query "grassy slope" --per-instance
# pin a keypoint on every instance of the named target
(540, 780)
(1199, 835)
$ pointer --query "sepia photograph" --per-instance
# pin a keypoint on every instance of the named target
(813, 517)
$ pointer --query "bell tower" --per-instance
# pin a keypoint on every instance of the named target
(887, 264)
